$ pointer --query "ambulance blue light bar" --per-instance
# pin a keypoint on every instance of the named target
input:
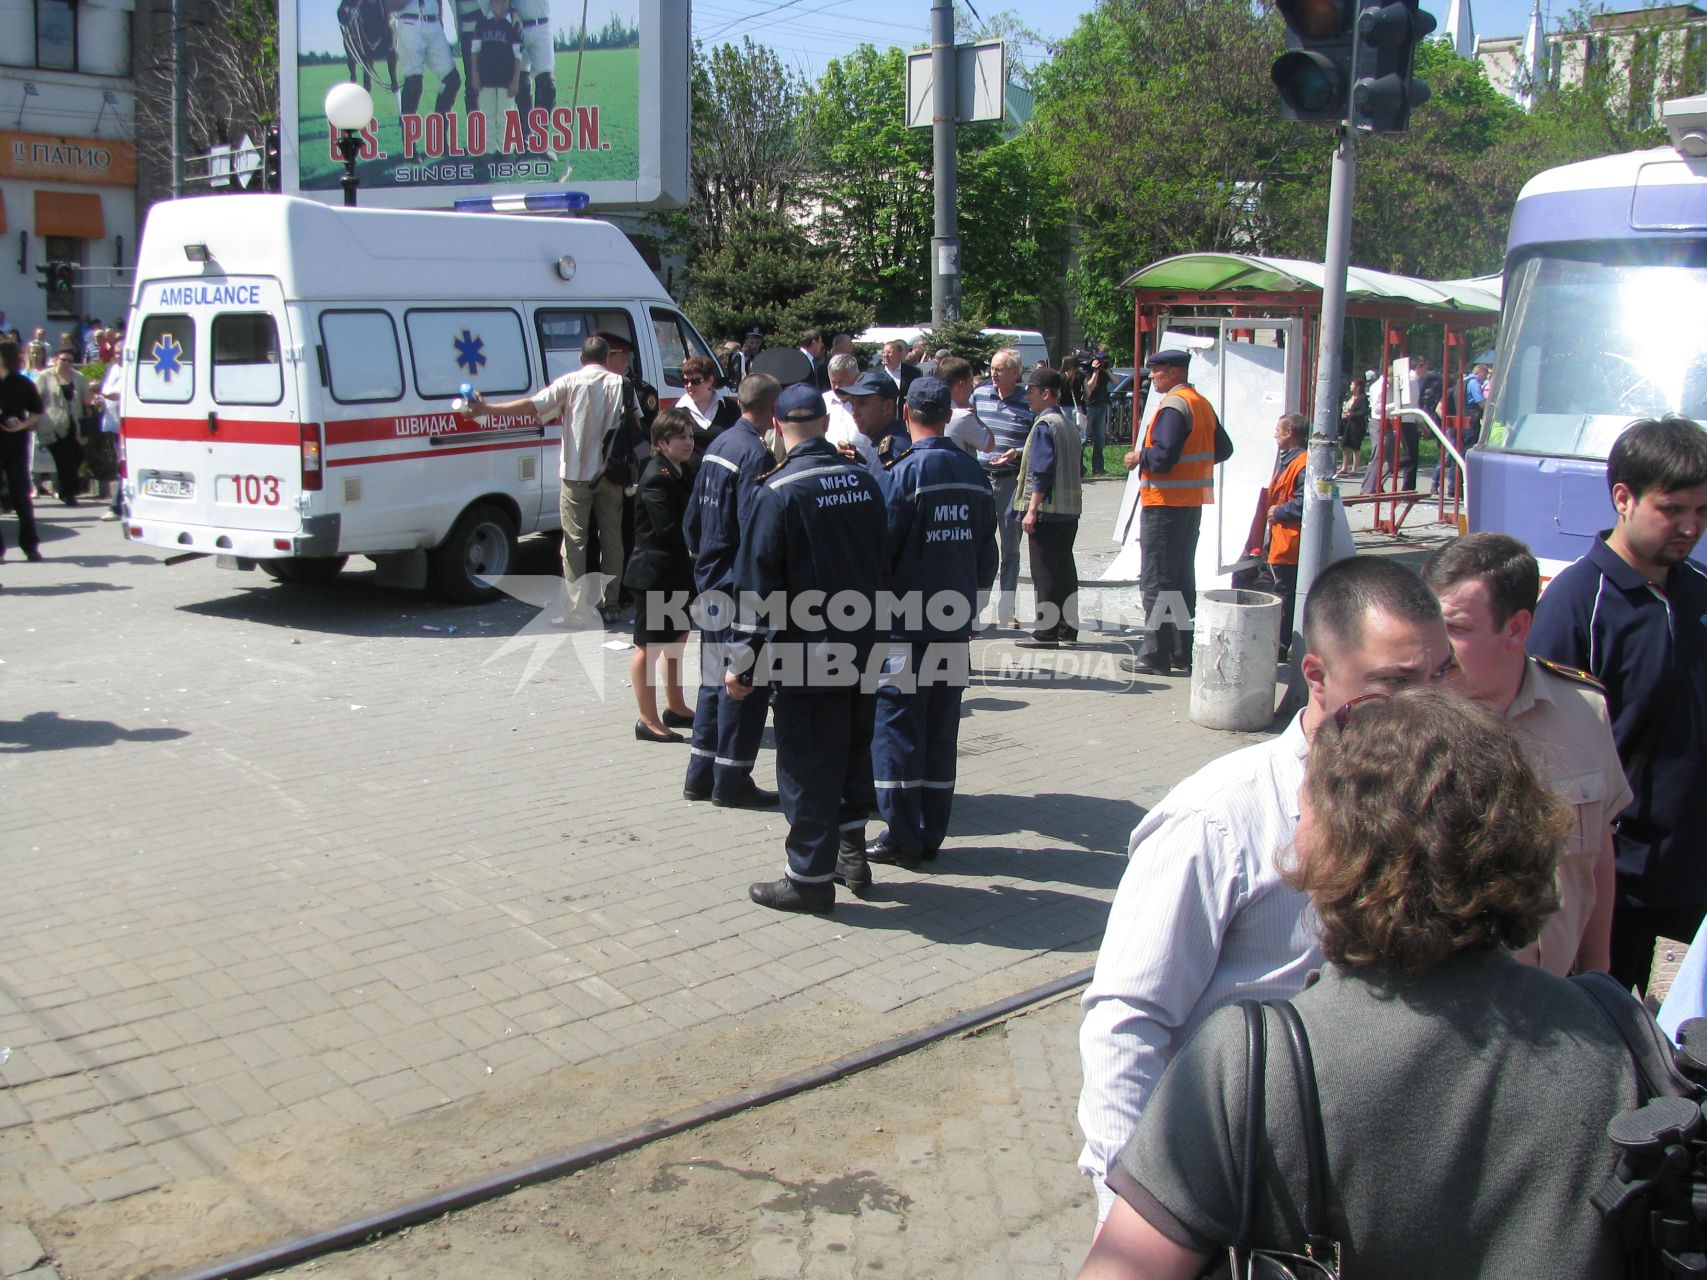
(547, 202)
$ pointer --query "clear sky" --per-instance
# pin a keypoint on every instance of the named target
(807, 33)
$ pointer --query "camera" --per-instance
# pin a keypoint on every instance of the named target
(1656, 1200)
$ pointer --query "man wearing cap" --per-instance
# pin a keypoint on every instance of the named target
(871, 400)
(726, 733)
(1047, 503)
(1176, 480)
(813, 533)
(1002, 406)
(942, 556)
(589, 402)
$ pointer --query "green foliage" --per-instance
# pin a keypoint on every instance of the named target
(747, 150)
(872, 181)
(767, 275)
(874, 190)
(965, 338)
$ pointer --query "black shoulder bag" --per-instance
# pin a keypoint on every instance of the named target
(1321, 1257)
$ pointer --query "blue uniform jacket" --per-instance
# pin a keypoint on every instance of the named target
(716, 511)
(942, 536)
(815, 529)
(1650, 652)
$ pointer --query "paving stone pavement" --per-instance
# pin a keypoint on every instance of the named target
(951, 1163)
(290, 867)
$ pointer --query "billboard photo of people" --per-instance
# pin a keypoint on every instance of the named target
(472, 93)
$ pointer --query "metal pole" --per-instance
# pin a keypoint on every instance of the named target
(1318, 474)
(180, 99)
(945, 244)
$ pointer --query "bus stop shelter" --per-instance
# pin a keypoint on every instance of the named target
(1220, 289)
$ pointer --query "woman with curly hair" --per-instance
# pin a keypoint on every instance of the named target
(1464, 1095)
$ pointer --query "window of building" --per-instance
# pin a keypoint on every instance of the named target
(56, 35)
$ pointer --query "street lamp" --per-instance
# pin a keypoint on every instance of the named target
(349, 110)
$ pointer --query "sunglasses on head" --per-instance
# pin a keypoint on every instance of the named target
(1342, 717)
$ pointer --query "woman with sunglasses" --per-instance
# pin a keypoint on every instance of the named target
(1464, 1095)
(705, 403)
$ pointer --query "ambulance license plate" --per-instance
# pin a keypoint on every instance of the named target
(169, 487)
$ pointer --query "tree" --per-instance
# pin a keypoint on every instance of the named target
(768, 276)
(872, 183)
(232, 66)
(747, 146)
(1161, 120)
(875, 207)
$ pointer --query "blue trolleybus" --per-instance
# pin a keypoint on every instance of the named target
(1604, 322)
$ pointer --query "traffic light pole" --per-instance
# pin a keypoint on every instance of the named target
(1318, 475)
(945, 244)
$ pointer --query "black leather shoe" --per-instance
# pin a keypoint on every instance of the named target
(677, 721)
(1139, 667)
(791, 895)
(747, 797)
(696, 794)
(1038, 640)
(643, 734)
(33, 554)
(853, 874)
(887, 854)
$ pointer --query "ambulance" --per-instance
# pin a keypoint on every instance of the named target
(292, 369)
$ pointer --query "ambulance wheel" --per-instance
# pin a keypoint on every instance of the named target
(482, 545)
(302, 569)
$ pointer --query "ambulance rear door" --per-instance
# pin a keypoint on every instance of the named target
(212, 428)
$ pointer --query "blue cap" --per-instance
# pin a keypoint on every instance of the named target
(800, 403)
(873, 382)
(930, 394)
(1172, 356)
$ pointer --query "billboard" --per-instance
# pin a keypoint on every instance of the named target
(491, 97)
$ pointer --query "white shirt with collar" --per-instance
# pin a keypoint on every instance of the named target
(1202, 919)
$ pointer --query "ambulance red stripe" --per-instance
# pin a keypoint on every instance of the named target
(451, 451)
(227, 431)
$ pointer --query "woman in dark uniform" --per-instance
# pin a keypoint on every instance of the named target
(660, 575)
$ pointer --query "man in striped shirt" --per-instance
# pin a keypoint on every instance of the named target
(1004, 409)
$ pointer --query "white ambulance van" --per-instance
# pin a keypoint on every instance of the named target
(292, 368)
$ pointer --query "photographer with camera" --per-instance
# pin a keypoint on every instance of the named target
(1463, 1096)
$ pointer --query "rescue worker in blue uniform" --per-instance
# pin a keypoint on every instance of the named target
(726, 732)
(806, 582)
(942, 562)
(871, 401)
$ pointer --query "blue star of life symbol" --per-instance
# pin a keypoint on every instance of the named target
(166, 355)
(468, 352)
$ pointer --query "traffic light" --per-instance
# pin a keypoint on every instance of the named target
(56, 277)
(1314, 74)
(1382, 90)
(273, 174)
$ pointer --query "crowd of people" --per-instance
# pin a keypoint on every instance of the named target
(59, 433)
(1488, 790)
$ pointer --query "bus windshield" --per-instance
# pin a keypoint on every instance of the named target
(1589, 347)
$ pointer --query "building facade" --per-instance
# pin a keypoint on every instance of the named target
(1646, 56)
(68, 167)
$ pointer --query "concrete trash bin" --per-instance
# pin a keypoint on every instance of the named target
(1233, 659)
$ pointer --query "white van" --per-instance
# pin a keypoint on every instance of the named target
(1028, 342)
(292, 366)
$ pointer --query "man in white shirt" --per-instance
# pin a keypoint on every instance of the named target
(589, 403)
(1203, 917)
(843, 430)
